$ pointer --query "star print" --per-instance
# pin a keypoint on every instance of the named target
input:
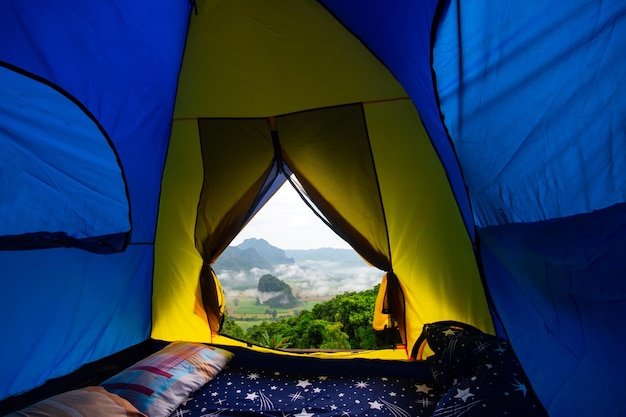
(376, 405)
(303, 413)
(317, 390)
(273, 387)
(295, 396)
(449, 332)
(214, 394)
(361, 384)
(322, 378)
(253, 376)
(392, 394)
(252, 396)
(423, 388)
(463, 394)
(520, 386)
(333, 407)
(304, 383)
(481, 346)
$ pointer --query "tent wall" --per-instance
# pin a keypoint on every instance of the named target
(556, 157)
(559, 286)
(401, 37)
(119, 61)
(177, 311)
(44, 134)
(62, 308)
(532, 95)
(431, 254)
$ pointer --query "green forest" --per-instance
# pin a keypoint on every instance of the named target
(343, 322)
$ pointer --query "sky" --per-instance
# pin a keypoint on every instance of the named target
(287, 223)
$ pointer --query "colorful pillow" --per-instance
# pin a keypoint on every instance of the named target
(84, 402)
(160, 383)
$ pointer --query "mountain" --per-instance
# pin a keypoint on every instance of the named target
(312, 273)
(258, 253)
(272, 254)
(236, 259)
(276, 293)
(252, 253)
(346, 257)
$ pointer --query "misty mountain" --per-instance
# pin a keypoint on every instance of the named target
(272, 254)
(236, 259)
(258, 253)
(345, 257)
(311, 272)
(275, 293)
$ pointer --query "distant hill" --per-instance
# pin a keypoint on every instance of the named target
(312, 273)
(272, 254)
(275, 293)
(237, 259)
(347, 257)
(258, 253)
(252, 253)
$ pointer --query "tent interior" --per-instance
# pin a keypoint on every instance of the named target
(474, 152)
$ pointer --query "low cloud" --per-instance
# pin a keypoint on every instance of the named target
(313, 279)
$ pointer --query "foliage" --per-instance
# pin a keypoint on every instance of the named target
(355, 311)
(275, 341)
(231, 328)
(343, 322)
(335, 339)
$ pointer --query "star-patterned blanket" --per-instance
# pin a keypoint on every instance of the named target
(470, 374)
(274, 393)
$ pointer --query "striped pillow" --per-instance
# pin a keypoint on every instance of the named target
(160, 383)
(84, 402)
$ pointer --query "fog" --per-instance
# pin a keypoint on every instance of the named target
(312, 279)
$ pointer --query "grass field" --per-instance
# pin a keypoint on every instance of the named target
(246, 312)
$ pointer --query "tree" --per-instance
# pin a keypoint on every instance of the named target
(232, 329)
(335, 338)
(274, 341)
(344, 322)
(355, 310)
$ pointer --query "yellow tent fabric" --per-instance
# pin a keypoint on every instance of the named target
(246, 61)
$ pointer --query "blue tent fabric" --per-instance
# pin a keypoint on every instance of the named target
(69, 320)
(559, 287)
(56, 157)
(532, 95)
(119, 61)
